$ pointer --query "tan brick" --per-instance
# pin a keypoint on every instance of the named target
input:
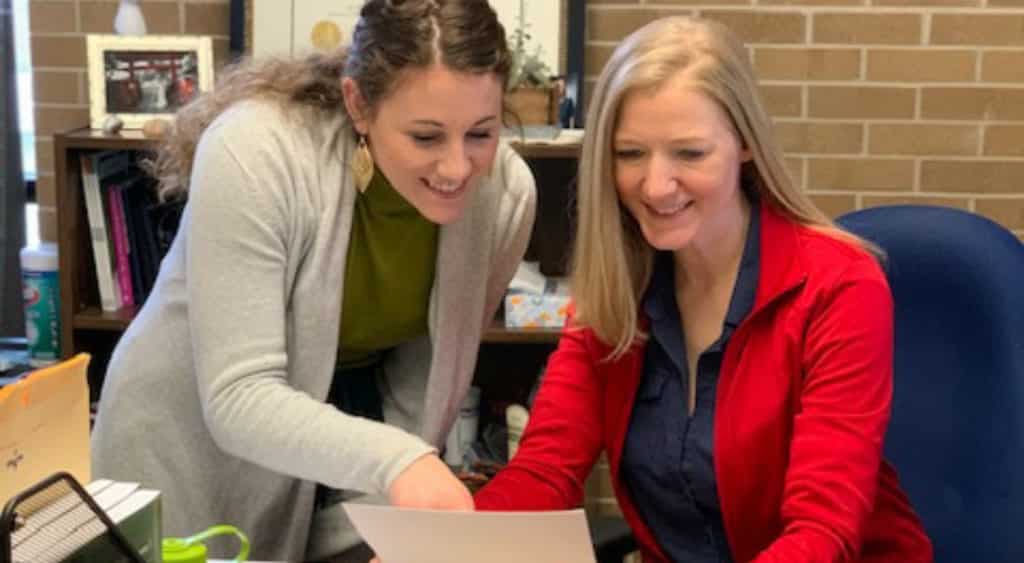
(58, 51)
(1002, 66)
(860, 174)
(1004, 140)
(1007, 3)
(820, 137)
(888, 29)
(98, 17)
(972, 103)
(834, 205)
(938, 3)
(161, 17)
(914, 199)
(807, 64)
(861, 102)
(52, 17)
(702, 2)
(811, 2)
(595, 59)
(56, 87)
(44, 154)
(892, 138)
(208, 19)
(614, 25)
(972, 176)
(51, 120)
(46, 190)
(221, 53)
(48, 223)
(921, 66)
(782, 101)
(1007, 211)
(762, 27)
(977, 29)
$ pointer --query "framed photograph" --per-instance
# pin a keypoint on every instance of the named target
(138, 78)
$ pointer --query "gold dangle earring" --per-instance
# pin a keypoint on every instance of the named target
(362, 165)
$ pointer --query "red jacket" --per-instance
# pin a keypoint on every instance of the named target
(802, 405)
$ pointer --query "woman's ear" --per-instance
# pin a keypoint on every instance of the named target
(355, 105)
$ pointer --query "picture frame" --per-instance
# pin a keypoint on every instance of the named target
(139, 78)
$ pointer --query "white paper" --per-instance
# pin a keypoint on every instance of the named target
(400, 535)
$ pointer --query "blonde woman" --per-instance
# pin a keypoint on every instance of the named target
(352, 222)
(730, 349)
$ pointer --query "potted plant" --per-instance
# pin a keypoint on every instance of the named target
(532, 94)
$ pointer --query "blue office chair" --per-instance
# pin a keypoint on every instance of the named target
(957, 431)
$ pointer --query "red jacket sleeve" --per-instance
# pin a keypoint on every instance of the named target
(562, 438)
(843, 411)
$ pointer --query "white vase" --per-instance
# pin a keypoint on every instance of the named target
(129, 20)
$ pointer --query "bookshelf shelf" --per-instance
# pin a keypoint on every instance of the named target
(97, 319)
(497, 333)
(506, 353)
(545, 150)
(95, 139)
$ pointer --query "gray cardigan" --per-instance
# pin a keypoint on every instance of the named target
(215, 393)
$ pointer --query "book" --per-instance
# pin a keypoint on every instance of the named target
(122, 262)
(98, 168)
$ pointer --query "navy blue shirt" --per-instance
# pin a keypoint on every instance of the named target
(667, 460)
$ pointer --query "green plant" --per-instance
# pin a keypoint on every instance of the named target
(528, 66)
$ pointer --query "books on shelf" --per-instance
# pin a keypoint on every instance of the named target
(129, 229)
(97, 171)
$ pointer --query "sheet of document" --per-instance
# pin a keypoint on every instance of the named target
(400, 535)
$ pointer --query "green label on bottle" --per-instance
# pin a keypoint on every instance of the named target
(41, 292)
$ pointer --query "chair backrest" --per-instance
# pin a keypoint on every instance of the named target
(957, 431)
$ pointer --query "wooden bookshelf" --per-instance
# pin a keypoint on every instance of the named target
(85, 327)
(83, 324)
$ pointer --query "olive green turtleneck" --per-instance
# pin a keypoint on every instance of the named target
(389, 273)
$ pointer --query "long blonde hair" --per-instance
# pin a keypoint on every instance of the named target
(612, 262)
(464, 35)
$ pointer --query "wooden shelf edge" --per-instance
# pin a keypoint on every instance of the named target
(127, 139)
(498, 333)
(96, 319)
(544, 150)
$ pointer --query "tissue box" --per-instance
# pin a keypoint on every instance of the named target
(535, 310)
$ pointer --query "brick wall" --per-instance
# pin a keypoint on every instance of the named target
(58, 29)
(877, 101)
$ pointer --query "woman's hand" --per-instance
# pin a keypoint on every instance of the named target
(428, 483)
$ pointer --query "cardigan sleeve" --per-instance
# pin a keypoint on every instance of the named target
(518, 210)
(562, 438)
(243, 225)
(844, 408)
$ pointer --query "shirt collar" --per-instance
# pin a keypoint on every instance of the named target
(659, 299)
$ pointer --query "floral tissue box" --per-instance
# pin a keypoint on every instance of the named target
(532, 310)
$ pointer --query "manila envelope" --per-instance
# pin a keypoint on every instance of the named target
(44, 426)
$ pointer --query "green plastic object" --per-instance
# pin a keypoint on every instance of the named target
(192, 550)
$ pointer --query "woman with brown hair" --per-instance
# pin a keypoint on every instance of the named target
(352, 221)
(730, 348)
